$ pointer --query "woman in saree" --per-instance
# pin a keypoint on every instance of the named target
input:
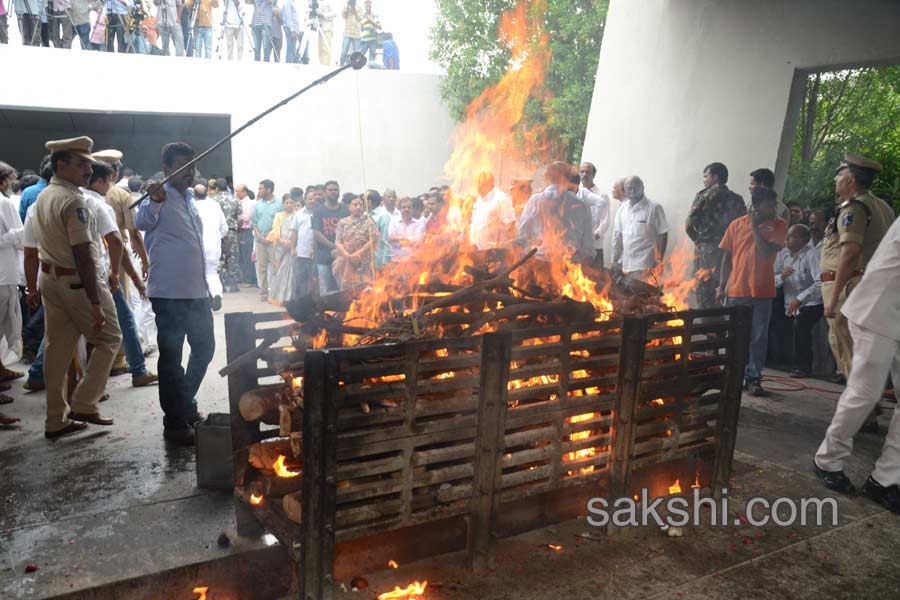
(354, 240)
(280, 236)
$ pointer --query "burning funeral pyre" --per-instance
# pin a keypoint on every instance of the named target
(406, 396)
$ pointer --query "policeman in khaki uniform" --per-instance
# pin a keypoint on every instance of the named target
(851, 237)
(76, 301)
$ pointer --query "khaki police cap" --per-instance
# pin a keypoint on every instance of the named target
(80, 146)
(108, 156)
(860, 161)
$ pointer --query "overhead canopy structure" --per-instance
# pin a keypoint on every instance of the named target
(368, 128)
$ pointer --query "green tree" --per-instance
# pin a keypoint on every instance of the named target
(857, 111)
(464, 40)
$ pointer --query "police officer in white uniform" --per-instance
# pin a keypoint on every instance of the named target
(873, 313)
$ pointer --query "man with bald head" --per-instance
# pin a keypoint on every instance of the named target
(640, 232)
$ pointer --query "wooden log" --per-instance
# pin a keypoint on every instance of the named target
(270, 337)
(264, 454)
(262, 404)
(273, 486)
(293, 506)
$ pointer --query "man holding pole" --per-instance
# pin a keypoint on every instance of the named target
(178, 291)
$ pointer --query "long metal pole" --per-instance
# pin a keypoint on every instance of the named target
(357, 61)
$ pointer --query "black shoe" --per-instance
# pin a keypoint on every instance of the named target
(72, 427)
(887, 496)
(179, 437)
(756, 389)
(835, 480)
(119, 371)
(216, 302)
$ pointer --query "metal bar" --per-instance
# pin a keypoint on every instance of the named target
(730, 405)
(239, 337)
(634, 334)
(357, 62)
(496, 351)
(313, 567)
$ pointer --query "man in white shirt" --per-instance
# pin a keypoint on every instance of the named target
(598, 202)
(326, 15)
(797, 273)
(873, 312)
(405, 233)
(233, 19)
(215, 227)
(304, 242)
(492, 215)
(113, 252)
(389, 202)
(11, 232)
(640, 233)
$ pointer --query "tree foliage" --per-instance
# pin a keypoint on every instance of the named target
(464, 40)
(848, 111)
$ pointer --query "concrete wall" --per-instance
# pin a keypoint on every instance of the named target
(684, 83)
(398, 117)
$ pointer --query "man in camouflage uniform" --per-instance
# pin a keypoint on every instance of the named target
(851, 237)
(713, 209)
(230, 263)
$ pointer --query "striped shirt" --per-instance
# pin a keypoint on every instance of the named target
(262, 13)
(804, 283)
(368, 27)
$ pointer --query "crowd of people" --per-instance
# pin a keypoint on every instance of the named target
(71, 243)
(291, 31)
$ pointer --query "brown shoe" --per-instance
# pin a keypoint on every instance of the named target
(69, 429)
(96, 419)
(144, 380)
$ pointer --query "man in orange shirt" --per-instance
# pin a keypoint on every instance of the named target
(751, 243)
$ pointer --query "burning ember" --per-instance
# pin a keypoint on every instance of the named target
(413, 590)
(696, 483)
(202, 591)
(554, 547)
(675, 488)
(256, 499)
(393, 564)
(281, 470)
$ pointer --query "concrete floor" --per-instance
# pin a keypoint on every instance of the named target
(115, 504)
(111, 503)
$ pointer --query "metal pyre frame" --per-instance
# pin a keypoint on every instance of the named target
(471, 439)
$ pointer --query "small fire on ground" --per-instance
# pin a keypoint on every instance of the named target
(413, 590)
(281, 470)
(256, 499)
(201, 591)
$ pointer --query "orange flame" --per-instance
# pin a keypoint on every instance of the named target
(281, 470)
(297, 382)
(675, 488)
(256, 499)
(554, 547)
(202, 591)
(413, 590)
(393, 564)
(696, 483)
